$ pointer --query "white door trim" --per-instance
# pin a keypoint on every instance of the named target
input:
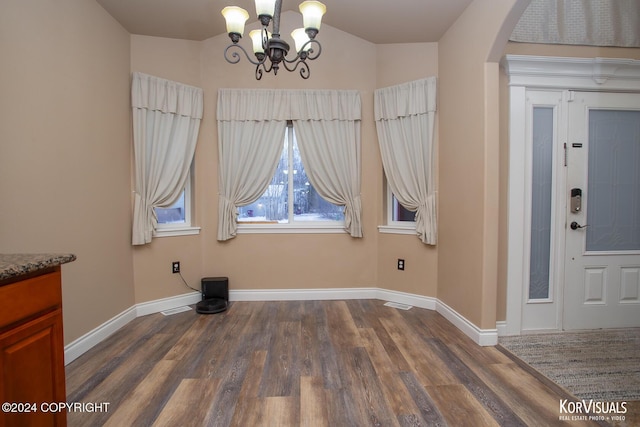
(538, 72)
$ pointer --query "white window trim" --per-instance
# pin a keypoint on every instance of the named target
(295, 228)
(395, 227)
(176, 231)
(185, 229)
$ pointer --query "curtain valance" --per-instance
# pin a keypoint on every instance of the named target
(278, 104)
(157, 94)
(407, 99)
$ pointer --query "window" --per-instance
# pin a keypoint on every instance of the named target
(400, 214)
(290, 201)
(176, 219)
(174, 214)
(399, 220)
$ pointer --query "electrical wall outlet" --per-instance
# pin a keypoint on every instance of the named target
(175, 267)
(400, 264)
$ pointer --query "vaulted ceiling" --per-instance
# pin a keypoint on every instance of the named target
(378, 21)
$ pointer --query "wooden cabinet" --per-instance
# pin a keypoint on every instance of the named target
(32, 351)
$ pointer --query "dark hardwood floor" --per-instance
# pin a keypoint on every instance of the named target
(308, 363)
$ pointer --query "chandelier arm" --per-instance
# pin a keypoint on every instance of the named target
(295, 61)
(264, 67)
(234, 57)
(305, 71)
(259, 71)
(265, 38)
(310, 54)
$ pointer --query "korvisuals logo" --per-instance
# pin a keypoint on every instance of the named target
(592, 410)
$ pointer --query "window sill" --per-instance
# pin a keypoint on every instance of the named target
(397, 229)
(176, 231)
(290, 228)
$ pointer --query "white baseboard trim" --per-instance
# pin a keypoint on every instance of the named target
(332, 294)
(302, 294)
(159, 305)
(483, 337)
(92, 338)
(83, 344)
(501, 327)
(404, 298)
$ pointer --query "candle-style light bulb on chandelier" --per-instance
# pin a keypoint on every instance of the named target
(269, 49)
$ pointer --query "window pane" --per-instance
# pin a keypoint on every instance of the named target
(272, 206)
(613, 204)
(400, 213)
(174, 214)
(541, 202)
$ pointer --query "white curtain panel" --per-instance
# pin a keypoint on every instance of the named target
(251, 127)
(327, 126)
(248, 153)
(405, 118)
(580, 22)
(166, 121)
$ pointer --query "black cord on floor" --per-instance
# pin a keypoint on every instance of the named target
(186, 284)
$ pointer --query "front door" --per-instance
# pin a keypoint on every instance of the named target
(601, 287)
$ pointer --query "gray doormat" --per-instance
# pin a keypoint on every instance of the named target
(599, 365)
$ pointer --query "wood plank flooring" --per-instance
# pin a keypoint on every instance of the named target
(305, 363)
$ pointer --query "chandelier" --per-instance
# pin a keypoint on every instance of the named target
(269, 49)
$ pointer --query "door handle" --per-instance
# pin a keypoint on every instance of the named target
(574, 225)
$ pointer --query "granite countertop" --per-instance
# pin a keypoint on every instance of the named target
(14, 265)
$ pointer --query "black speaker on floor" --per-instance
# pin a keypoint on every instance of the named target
(215, 295)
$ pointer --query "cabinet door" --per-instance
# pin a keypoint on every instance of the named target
(32, 363)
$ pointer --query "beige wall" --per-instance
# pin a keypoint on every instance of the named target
(65, 150)
(264, 261)
(285, 261)
(177, 60)
(400, 63)
(536, 50)
(468, 158)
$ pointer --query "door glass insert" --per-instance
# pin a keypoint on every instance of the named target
(613, 196)
(542, 180)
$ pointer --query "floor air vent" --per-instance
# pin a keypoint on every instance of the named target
(398, 305)
(175, 310)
